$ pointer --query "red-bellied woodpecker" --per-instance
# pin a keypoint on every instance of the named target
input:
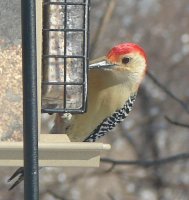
(113, 84)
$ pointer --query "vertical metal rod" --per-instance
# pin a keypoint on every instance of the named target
(30, 122)
(65, 53)
(86, 53)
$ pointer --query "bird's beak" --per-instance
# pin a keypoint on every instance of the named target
(101, 64)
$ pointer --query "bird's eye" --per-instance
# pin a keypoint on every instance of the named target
(126, 60)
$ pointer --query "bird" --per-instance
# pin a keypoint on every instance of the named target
(113, 84)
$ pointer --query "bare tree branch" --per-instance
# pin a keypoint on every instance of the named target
(102, 25)
(58, 197)
(168, 92)
(176, 123)
(111, 196)
(147, 163)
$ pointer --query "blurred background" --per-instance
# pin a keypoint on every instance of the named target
(161, 28)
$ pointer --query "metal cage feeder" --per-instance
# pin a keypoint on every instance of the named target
(65, 56)
(62, 32)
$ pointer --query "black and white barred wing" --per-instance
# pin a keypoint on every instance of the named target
(110, 122)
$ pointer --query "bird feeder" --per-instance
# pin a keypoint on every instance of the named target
(62, 35)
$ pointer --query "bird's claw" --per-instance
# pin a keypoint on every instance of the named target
(19, 173)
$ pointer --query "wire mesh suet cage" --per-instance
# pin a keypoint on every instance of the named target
(65, 55)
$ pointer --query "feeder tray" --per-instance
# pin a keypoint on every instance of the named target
(55, 151)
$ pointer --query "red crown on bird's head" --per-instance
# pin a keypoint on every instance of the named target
(124, 48)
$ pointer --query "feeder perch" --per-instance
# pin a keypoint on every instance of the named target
(62, 67)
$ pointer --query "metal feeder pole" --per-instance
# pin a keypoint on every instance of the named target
(30, 122)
